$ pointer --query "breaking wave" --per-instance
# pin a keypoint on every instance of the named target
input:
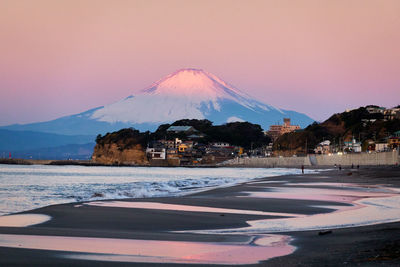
(28, 187)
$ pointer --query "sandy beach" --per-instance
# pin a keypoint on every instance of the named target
(80, 234)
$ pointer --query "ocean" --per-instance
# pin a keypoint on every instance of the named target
(26, 187)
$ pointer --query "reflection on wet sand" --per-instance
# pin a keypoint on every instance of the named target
(344, 195)
(358, 205)
(22, 220)
(131, 250)
(380, 205)
(164, 206)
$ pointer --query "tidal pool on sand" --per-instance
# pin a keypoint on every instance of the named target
(380, 205)
(164, 206)
(134, 250)
(23, 220)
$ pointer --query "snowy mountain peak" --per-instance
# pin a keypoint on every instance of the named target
(186, 78)
(186, 94)
(194, 82)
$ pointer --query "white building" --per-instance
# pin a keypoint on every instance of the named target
(156, 153)
(323, 147)
(352, 146)
(220, 144)
(381, 147)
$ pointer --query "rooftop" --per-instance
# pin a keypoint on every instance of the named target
(180, 128)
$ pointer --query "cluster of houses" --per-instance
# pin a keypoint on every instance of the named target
(386, 144)
(326, 147)
(189, 152)
(351, 145)
(354, 146)
(388, 113)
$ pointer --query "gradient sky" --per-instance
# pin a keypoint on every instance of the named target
(61, 57)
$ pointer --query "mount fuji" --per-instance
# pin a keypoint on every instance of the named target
(184, 94)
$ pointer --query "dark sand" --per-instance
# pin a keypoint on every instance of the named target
(358, 246)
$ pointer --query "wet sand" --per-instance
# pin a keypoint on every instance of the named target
(366, 245)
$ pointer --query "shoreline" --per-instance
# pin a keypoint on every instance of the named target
(244, 163)
(355, 245)
(102, 183)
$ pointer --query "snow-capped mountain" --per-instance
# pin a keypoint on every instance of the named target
(185, 94)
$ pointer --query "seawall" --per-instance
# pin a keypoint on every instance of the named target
(362, 159)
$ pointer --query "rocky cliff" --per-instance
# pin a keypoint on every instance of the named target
(125, 147)
(110, 154)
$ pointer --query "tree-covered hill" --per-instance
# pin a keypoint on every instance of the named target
(242, 134)
(340, 127)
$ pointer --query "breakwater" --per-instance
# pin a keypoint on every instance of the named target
(362, 159)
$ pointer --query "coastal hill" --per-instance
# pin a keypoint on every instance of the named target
(184, 94)
(243, 134)
(128, 146)
(365, 123)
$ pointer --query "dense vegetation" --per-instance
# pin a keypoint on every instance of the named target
(242, 134)
(124, 138)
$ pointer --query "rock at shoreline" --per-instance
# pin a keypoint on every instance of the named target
(125, 147)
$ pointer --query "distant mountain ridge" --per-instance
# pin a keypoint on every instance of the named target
(64, 152)
(38, 145)
(24, 140)
(184, 94)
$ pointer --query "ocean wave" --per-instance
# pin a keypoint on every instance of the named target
(153, 189)
(29, 187)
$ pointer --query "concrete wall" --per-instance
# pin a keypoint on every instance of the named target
(382, 158)
(269, 162)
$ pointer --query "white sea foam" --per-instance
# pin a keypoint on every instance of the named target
(29, 187)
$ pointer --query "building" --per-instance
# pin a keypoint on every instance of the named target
(156, 153)
(391, 114)
(167, 143)
(323, 147)
(375, 109)
(381, 147)
(185, 146)
(352, 146)
(394, 142)
(277, 130)
(181, 129)
(220, 144)
(172, 153)
(365, 122)
(198, 135)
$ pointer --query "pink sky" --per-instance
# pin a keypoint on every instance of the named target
(317, 57)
